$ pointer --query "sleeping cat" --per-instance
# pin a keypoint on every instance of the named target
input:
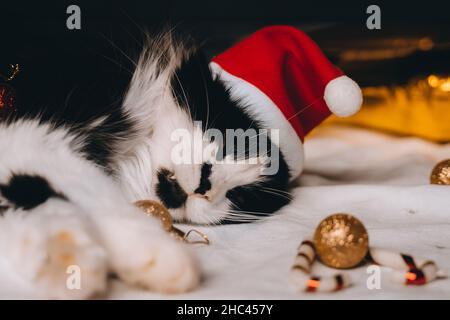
(210, 146)
(68, 178)
(183, 96)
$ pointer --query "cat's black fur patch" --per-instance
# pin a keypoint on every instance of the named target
(205, 183)
(169, 191)
(28, 191)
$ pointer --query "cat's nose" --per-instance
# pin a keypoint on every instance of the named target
(200, 190)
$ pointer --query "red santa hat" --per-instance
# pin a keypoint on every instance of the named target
(283, 79)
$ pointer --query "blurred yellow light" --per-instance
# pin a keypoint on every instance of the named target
(433, 81)
(445, 86)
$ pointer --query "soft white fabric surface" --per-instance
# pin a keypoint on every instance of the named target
(381, 179)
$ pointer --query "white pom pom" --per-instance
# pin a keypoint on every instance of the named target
(343, 96)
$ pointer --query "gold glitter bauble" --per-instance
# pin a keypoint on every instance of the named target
(341, 241)
(157, 210)
(441, 173)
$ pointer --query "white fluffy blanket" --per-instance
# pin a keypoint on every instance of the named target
(381, 179)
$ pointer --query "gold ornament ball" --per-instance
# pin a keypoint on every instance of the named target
(157, 210)
(441, 173)
(341, 241)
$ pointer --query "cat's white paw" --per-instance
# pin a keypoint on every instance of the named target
(50, 247)
(74, 267)
(167, 267)
(142, 254)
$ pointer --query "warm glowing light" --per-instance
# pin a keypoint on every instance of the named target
(433, 81)
(442, 84)
(445, 86)
(411, 276)
(313, 283)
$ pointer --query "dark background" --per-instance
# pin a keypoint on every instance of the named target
(91, 67)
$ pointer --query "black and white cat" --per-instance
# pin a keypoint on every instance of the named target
(68, 182)
(182, 96)
(69, 175)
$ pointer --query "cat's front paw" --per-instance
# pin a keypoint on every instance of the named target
(53, 250)
(143, 254)
(167, 268)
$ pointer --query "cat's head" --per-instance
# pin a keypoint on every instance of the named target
(197, 150)
(199, 183)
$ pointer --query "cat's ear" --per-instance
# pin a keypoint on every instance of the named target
(150, 87)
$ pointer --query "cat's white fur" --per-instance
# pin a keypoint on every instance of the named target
(96, 228)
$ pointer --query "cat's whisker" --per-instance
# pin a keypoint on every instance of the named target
(237, 216)
(241, 219)
(279, 191)
(207, 101)
(288, 194)
(116, 63)
(120, 50)
(260, 133)
(137, 25)
(303, 109)
(163, 53)
(247, 216)
(239, 213)
(276, 194)
(272, 189)
(186, 101)
(243, 212)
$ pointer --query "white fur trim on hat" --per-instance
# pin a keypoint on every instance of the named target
(260, 107)
(343, 96)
